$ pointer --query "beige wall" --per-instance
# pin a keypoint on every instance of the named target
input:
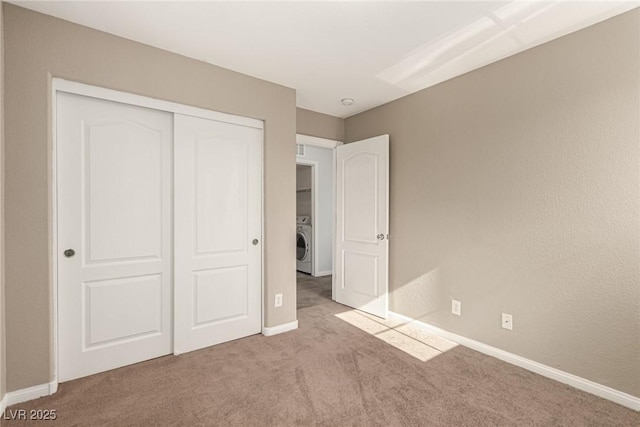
(2, 323)
(38, 47)
(319, 125)
(514, 188)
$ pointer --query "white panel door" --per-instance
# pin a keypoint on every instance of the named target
(362, 225)
(218, 216)
(114, 234)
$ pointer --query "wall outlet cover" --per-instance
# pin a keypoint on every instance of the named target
(456, 307)
(507, 321)
(278, 300)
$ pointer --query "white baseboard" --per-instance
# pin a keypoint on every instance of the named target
(275, 330)
(30, 393)
(3, 405)
(323, 273)
(583, 384)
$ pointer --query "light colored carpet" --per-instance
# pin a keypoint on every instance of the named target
(327, 373)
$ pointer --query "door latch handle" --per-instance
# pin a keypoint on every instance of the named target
(380, 236)
(255, 242)
(69, 253)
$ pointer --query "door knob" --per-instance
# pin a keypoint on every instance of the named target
(380, 236)
(255, 242)
(69, 253)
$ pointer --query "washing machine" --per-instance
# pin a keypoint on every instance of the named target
(304, 244)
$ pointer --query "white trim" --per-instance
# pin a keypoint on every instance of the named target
(335, 219)
(263, 245)
(315, 173)
(30, 393)
(318, 142)
(275, 330)
(54, 231)
(323, 273)
(580, 383)
(62, 85)
(3, 405)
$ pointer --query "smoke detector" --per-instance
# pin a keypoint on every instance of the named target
(347, 101)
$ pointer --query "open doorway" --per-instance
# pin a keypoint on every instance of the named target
(305, 218)
(348, 221)
(315, 215)
(312, 289)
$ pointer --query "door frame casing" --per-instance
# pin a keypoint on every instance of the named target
(330, 144)
(67, 86)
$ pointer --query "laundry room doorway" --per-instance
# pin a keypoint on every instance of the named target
(315, 214)
(343, 222)
(306, 179)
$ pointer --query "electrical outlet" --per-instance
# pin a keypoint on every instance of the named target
(278, 302)
(507, 321)
(456, 307)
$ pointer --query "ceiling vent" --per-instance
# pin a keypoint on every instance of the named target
(300, 150)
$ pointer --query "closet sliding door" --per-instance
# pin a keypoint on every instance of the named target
(159, 231)
(217, 232)
(114, 234)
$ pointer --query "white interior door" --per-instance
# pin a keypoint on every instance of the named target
(362, 225)
(218, 205)
(114, 234)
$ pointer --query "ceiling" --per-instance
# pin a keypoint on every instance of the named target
(373, 52)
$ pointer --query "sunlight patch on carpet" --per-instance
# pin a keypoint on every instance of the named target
(401, 335)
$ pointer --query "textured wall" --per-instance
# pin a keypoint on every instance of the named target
(38, 47)
(514, 188)
(2, 322)
(319, 125)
